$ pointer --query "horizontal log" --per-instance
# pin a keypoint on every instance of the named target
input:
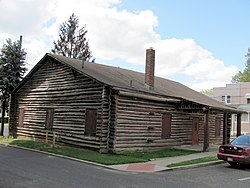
(69, 97)
(149, 97)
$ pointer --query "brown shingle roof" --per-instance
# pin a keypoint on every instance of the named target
(122, 78)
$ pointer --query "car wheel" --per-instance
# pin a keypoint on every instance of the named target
(234, 164)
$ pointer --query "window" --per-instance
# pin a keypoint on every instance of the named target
(223, 99)
(21, 117)
(49, 119)
(166, 126)
(90, 122)
(245, 118)
(226, 99)
(248, 100)
(235, 117)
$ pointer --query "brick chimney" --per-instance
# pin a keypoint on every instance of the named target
(150, 68)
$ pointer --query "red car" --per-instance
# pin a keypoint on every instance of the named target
(237, 152)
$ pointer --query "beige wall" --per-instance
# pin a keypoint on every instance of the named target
(245, 127)
(237, 92)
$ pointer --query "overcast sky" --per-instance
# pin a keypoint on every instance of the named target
(201, 44)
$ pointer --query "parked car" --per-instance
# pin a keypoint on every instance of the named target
(237, 152)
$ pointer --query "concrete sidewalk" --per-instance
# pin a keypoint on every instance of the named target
(154, 165)
(160, 164)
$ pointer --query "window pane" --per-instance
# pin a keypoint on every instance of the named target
(244, 117)
(242, 140)
(248, 101)
(228, 99)
(223, 98)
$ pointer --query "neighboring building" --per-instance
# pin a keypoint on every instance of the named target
(237, 95)
(113, 109)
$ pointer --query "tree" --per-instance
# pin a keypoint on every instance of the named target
(207, 91)
(72, 41)
(12, 70)
(245, 75)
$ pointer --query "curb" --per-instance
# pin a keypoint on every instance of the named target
(197, 165)
(58, 155)
(111, 168)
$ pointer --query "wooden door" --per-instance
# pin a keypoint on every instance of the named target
(90, 122)
(49, 119)
(217, 126)
(21, 117)
(166, 126)
(195, 137)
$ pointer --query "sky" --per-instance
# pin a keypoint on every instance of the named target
(198, 43)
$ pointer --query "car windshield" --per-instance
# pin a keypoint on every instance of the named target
(241, 140)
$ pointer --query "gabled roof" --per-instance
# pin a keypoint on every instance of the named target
(128, 80)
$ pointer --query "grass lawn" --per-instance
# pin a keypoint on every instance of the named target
(195, 161)
(106, 159)
(5, 140)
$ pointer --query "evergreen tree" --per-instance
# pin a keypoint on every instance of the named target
(72, 41)
(12, 70)
(207, 91)
(245, 75)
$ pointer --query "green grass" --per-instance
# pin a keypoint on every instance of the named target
(5, 140)
(160, 154)
(194, 161)
(106, 159)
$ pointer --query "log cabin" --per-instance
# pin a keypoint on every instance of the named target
(111, 109)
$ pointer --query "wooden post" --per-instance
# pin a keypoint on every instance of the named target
(224, 128)
(238, 125)
(54, 139)
(206, 131)
(47, 135)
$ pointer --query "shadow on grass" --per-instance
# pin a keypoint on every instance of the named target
(106, 159)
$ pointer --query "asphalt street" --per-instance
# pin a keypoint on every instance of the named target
(26, 169)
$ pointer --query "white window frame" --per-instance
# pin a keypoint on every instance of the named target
(248, 118)
(226, 99)
(223, 98)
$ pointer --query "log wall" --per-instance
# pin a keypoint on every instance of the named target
(139, 124)
(212, 136)
(123, 123)
(69, 93)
